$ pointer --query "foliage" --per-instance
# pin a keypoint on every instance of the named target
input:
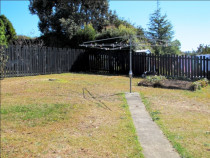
(155, 79)
(154, 115)
(3, 60)
(7, 34)
(56, 40)
(65, 22)
(121, 30)
(10, 33)
(125, 30)
(3, 40)
(203, 49)
(173, 48)
(200, 84)
(61, 20)
(23, 37)
(82, 35)
(160, 30)
(159, 27)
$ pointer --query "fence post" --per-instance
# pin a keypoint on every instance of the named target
(204, 66)
(191, 69)
(188, 59)
(207, 68)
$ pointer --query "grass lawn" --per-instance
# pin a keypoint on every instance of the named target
(80, 115)
(183, 116)
(76, 115)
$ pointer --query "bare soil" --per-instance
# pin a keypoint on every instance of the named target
(169, 84)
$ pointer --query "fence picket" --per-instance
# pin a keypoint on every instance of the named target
(24, 61)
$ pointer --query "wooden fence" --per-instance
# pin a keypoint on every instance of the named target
(108, 62)
(27, 61)
(172, 65)
(117, 62)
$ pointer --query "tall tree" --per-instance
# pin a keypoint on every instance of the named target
(160, 30)
(10, 33)
(63, 18)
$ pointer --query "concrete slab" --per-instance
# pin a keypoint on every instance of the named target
(151, 138)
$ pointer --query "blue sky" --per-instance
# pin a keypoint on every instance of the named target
(190, 19)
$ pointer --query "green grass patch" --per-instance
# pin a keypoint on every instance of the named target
(36, 112)
(130, 127)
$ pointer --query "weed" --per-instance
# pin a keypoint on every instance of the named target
(154, 115)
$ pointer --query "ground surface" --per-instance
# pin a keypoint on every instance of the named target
(183, 117)
(71, 115)
(170, 84)
(153, 141)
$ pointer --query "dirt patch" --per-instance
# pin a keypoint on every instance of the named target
(170, 84)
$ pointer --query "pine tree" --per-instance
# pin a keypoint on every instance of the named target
(160, 30)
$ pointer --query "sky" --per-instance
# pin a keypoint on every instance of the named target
(190, 19)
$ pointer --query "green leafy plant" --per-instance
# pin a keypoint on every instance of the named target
(200, 84)
(154, 115)
(155, 79)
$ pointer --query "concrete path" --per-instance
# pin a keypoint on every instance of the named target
(151, 138)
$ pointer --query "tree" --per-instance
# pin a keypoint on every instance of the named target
(203, 49)
(160, 30)
(62, 19)
(10, 33)
(3, 40)
(3, 43)
(7, 34)
(173, 48)
(88, 33)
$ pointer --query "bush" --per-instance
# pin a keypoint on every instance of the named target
(200, 84)
(196, 85)
(3, 60)
(155, 79)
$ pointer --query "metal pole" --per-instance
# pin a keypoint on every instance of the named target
(130, 72)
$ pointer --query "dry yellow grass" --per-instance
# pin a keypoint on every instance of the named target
(76, 115)
(184, 116)
(64, 120)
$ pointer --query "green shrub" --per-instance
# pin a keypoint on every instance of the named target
(3, 60)
(200, 83)
(197, 85)
(155, 79)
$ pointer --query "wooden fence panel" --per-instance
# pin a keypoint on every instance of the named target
(25, 61)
